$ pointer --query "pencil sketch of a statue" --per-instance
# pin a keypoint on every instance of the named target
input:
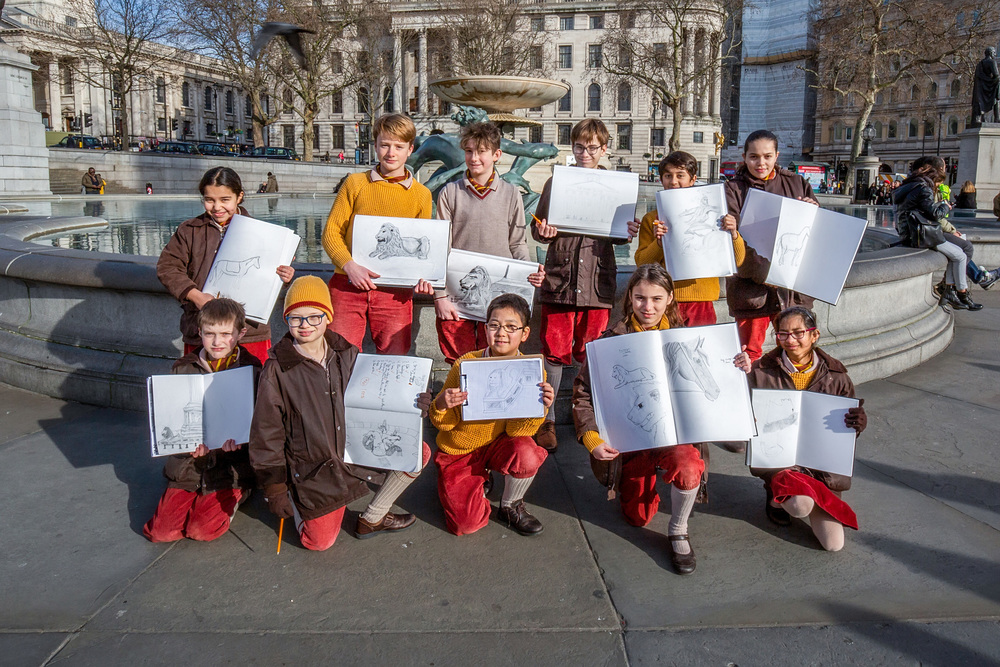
(699, 222)
(382, 441)
(503, 386)
(771, 424)
(623, 376)
(790, 247)
(646, 409)
(390, 243)
(232, 270)
(478, 288)
(689, 368)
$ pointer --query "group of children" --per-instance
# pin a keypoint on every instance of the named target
(296, 448)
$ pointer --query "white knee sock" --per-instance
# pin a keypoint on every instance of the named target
(514, 489)
(799, 506)
(395, 483)
(681, 505)
(553, 375)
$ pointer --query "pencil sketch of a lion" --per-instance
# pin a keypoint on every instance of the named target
(477, 288)
(390, 243)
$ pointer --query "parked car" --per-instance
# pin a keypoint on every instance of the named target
(177, 147)
(80, 141)
(275, 153)
(214, 149)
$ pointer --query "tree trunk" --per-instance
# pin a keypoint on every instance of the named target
(257, 118)
(857, 143)
(125, 124)
(308, 131)
(675, 125)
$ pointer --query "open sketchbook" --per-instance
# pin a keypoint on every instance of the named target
(661, 388)
(244, 268)
(802, 428)
(384, 426)
(502, 388)
(402, 250)
(475, 279)
(596, 202)
(189, 410)
(694, 245)
(811, 249)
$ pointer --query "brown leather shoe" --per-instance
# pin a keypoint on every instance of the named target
(683, 563)
(518, 518)
(546, 436)
(390, 522)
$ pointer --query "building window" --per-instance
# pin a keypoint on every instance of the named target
(288, 136)
(209, 130)
(660, 54)
(879, 99)
(915, 92)
(337, 102)
(185, 94)
(535, 57)
(209, 95)
(187, 128)
(315, 138)
(537, 24)
(914, 129)
(956, 88)
(593, 97)
(933, 92)
(563, 132)
(566, 22)
(928, 128)
(624, 97)
(594, 56)
(364, 101)
(247, 106)
(952, 126)
(878, 129)
(566, 57)
(566, 101)
(625, 136)
(658, 136)
(71, 21)
(230, 102)
(161, 90)
(624, 57)
(535, 134)
(627, 18)
(699, 138)
(838, 132)
(161, 124)
(337, 62)
(597, 22)
(337, 137)
(890, 132)
(390, 100)
(67, 80)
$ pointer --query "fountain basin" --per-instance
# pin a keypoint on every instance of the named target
(499, 94)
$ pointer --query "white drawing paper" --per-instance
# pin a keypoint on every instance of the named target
(188, 410)
(811, 249)
(802, 428)
(244, 267)
(502, 388)
(596, 202)
(694, 245)
(402, 250)
(384, 426)
(475, 279)
(662, 388)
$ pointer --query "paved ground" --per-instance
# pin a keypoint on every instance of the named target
(919, 584)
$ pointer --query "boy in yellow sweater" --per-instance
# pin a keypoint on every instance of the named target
(389, 190)
(694, 297)
(468, 451)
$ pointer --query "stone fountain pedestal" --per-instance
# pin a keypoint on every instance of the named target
(24, 158)
(979, 160)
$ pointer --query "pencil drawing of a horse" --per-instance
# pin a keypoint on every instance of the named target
(688, 364)
(233, 269)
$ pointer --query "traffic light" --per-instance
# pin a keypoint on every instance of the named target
(173, 124)
(88, 120)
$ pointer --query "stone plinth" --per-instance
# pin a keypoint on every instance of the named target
(23, 156)
(979, 158)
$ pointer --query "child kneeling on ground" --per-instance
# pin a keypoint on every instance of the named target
(205, 488)
(298, 434)
(468, 451)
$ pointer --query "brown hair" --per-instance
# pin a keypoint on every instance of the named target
(515, 302)
(653, 274)
(223, 311)
(968, 186)
(679, 160)
(590, 127)
(483, 135)
(396, 126)
(929, 166)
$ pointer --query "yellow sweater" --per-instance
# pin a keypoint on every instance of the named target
(650, 251)
(366, 193)
(456, 437)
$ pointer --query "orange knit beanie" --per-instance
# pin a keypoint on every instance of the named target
(309, 291)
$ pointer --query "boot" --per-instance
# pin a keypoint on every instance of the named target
(968, 302)
(949, 297)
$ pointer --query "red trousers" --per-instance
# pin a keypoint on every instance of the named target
(387, 310)
(183, 513)
(697, 313)
(458, 337)
(681, 466)
(258, 349)
(752, 334)
(461, 478)
(566, 330)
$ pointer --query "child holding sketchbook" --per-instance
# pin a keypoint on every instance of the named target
(187, 259)
(650, 304)
(487, 216)
(798, 363)
(204, 488)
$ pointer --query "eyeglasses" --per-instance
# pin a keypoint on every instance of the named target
(494, 327)
(312, 320)
(580, 148)
(797, 335)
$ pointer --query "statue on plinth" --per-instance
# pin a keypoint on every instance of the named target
(986, 89)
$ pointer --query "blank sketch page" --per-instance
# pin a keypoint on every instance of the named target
(759, 220)
(175, 409)
(593, 201)
(694, 245)
(502, 388)
(228, 406)
(402, 250)
(825, 442)
(833, 244)
(778, 414)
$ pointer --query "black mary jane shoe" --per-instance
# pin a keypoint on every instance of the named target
(682, 563)
(777, 515)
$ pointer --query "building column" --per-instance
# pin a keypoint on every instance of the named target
(422, 72)
(704, 58)
(398, 64)
(687, 63)
(54, 91)
(716, 104)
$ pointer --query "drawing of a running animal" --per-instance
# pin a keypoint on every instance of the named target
(699, 223)
(688, 365)
(790, 247)
(623, 376)
(390, 243)
(232, 270)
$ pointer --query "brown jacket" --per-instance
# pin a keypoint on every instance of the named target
(298, 433)
(216, 470)
(746, 293)
(184, 265)
(580, 270)
(831, 378)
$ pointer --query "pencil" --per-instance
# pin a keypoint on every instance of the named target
(536, 218)
(281, 527)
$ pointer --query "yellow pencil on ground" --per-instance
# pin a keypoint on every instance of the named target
(281, 527)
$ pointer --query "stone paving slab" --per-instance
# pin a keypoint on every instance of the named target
(23, 412)
(18, 648)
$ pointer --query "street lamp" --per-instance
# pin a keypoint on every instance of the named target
(868, 133)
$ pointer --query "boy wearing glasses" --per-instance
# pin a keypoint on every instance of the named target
(580, 277)
(205, 487)
(468, 451)
(297, 437)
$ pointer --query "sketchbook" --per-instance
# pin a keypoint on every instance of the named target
(802, 428)
(596, 202)
(811, 249)
(244, 267)
(384, 425)
(502, 388)
(662, 388)
(188, 410)
(402, 250)
(694, 245)
(475, 279)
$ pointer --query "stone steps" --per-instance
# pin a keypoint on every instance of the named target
(67, 182)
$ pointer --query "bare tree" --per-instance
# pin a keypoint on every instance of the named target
(119, 47)
(671, 47)
(373, 61)
(869, 46)
(494, 37)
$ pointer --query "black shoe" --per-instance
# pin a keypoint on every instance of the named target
(990, 278)
(967, 301)
(518, 518)
(488, 484)
(949, 297)
(683, 563)
(777, 515)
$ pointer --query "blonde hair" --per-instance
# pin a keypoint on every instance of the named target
(968, 186)
(396, 126)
